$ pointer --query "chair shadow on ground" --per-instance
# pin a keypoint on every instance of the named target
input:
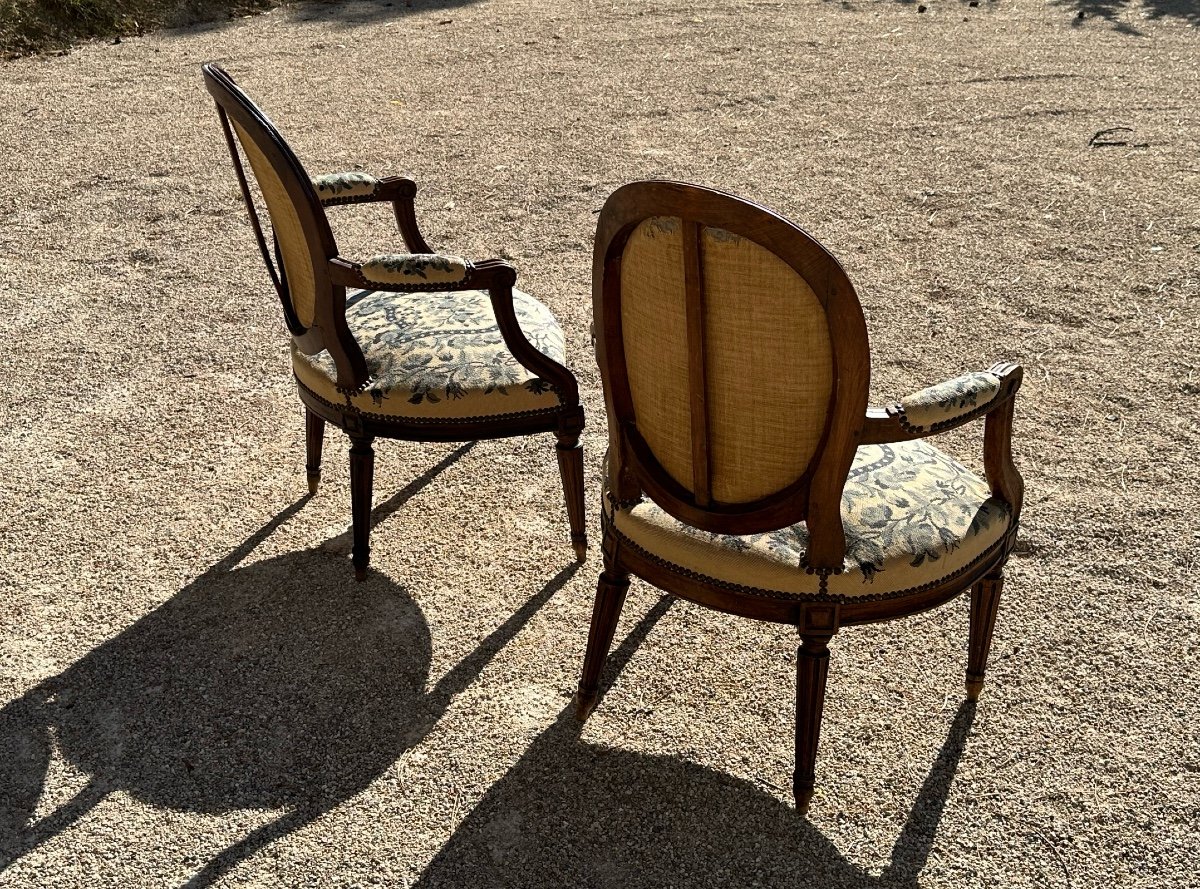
(571, 813)
(280, 685)
(284, 685)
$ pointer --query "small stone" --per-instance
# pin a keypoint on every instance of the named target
(920, 9)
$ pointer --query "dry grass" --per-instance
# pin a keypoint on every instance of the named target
(192, 689)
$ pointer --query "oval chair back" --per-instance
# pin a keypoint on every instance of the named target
(314, 308)
(735, 363)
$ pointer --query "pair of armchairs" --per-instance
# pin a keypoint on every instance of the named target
(745, 471)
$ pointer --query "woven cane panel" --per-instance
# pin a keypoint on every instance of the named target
(654, 318)
(769, 368)
(297, 259)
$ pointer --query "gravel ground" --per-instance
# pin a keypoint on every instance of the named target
(193, 688)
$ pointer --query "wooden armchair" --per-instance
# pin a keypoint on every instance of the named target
(745, 471)
(423, 347)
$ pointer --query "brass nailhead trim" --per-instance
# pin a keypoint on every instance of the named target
(405, 418)
(822, 596)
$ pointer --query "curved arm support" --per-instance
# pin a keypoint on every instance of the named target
(341, 189)
(998, 466)
(501, 278)
(884, 426)
(402, 193)
(497, 278)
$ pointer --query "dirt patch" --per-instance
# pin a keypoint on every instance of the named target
(28, 26)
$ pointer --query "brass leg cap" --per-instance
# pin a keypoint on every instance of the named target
(974, 687)
(360, 573)
(314, 480)
(585, 703)
(804, 800)
(581, 547)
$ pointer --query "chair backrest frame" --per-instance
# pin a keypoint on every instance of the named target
(327, 328)
(815, 497)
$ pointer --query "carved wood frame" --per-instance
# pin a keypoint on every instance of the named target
(819, 616)
(330, 331)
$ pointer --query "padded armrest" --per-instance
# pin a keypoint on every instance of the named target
(944, 406)
(345, 188)
(945, 403)
(415, 269)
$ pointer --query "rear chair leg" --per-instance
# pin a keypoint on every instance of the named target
(570, 467)
(362, 472)
(985, 601)
(812, 668)
(610, 598)
(314, 435)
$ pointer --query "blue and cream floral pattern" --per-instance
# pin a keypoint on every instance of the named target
(341, 186)
(438, 355)
(415, 269)
(948, 401)
(913, 515)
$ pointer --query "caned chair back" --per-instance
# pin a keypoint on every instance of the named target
(303, 241)
(735, 363)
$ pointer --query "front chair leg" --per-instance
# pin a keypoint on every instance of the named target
(570, 467)
(314, 435)
(610, 598)
(362, 472)
(812, 668)
(985, 601)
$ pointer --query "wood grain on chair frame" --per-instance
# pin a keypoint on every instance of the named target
(311, 279)
(674, 467)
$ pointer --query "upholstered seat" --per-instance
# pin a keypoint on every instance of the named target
(438, 355)
(914, 516)
(746, 471)
(412, 344)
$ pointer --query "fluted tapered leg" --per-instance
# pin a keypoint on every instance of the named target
(362, 474)
(570, 467)
(314, 437)
(985, 601)
(610, 598)
(812, 668)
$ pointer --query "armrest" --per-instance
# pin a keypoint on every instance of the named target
(334, 189)
(420, 270)
(991, 394)
(947, 404)
(410, 272)
(338, 189)
(944, 406)
(491, 275)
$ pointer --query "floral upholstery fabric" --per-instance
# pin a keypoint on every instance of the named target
(913, 516)
(438, 355)
(415, 269)
(948, 401)
(334, 187)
